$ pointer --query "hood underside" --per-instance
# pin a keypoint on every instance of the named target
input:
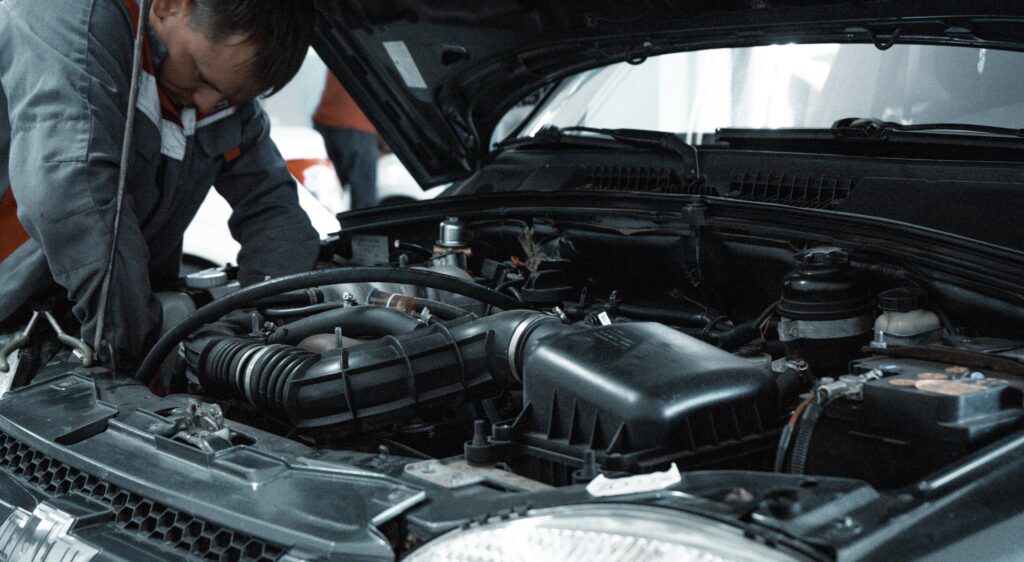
(435, 77)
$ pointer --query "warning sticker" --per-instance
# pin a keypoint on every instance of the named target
(369, 249)
(405, 64)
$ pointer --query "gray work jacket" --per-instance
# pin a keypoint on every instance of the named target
(65, 69)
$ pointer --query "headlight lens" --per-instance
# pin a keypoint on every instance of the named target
(599, 532)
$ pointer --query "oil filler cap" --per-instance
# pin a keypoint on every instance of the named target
(206, 279)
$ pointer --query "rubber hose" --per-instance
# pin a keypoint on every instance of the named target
(663, 315)
(253, 293)
(297, 298)
(442, 310)
(746, 331)
(271, 371)
(373, 321)
(738, 335)
(804, 433)
(275, 313)
(790, 383)
(733, 338)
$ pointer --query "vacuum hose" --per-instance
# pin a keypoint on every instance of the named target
(349, 390)
(372, 321)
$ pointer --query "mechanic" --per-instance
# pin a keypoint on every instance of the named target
(351, 140)
(65, 72)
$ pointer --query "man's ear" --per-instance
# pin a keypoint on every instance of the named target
(163, 9)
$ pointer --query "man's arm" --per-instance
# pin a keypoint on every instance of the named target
(275, 233)
(65, 68)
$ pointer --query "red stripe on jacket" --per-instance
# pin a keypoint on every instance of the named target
(12, 233)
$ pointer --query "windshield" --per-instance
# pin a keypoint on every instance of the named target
(806, 86)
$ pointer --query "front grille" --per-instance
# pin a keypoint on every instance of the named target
(814, 190)
(133, 513)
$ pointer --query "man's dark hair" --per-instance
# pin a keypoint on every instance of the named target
(280, 30)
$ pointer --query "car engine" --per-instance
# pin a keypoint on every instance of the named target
(546, 353)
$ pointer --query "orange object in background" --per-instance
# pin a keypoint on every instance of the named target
(299, 166)
(12, 234)
(337, 109)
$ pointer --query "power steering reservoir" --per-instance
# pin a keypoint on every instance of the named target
(826, 311)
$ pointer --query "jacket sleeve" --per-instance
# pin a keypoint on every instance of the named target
(275, 233)
(65, 68)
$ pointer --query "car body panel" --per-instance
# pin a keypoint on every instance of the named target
(436, 78)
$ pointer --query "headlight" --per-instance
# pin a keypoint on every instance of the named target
(599, 532)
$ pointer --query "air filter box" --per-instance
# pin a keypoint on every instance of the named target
(639, 395)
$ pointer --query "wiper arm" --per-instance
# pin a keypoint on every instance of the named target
(551, 134)
(867, 131)
(657, 140)
(876, 128)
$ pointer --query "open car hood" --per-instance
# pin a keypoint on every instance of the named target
(436, 76)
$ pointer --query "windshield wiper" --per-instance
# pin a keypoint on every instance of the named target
(591, 136)
(876, 128)
(875, 134)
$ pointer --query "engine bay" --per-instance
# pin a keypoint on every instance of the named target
(437, 371)
(557, 353)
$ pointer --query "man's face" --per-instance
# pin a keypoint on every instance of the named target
(198, 72)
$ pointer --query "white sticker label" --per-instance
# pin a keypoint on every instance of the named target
(603, 486)
(369, 249)
(405, 64)
(12, 367)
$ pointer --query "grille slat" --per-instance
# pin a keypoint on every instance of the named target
(637, 180)
(798, 189)
(190, 535)
(812, 190)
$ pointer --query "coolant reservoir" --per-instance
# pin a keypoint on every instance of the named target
(904, 321)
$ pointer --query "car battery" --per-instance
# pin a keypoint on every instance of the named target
(915, 419)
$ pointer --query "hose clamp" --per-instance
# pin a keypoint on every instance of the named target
(249, 364)
(515, 343)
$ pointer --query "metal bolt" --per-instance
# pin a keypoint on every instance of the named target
(479, 433)
(845, 526)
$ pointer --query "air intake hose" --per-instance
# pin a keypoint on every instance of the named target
(349, 390)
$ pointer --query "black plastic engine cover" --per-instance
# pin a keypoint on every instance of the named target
(639, 395)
